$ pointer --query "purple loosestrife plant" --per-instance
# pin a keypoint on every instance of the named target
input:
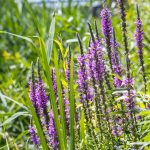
(99, 70)
(85, 92)
(139, 44)
(94, 49)
(128, 74)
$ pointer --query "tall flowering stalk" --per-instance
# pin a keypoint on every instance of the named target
(107, 31)
(139, 44)
(99, 70)
(92, 55)
(42, 98)
(32, 86)
(125, 42)
(128, 80)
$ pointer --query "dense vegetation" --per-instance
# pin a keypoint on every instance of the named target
(66, 83)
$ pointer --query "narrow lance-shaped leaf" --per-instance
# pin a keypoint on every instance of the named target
(72, 106)
(49, 43)
(60, 99)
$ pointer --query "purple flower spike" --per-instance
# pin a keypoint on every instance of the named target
(82, 80)
(33, 135)
(139, 44)
(139, 36)
(41, 96)
(95, 59)
(32, 93)
(52, 132)
(106, 22)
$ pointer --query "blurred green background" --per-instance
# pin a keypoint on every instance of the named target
(71, 17)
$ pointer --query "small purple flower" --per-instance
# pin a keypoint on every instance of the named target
(128, 82)
(33, 135)
(148, 106)
(117, 131)
(139, 117)
(129, 100)
(117, 82)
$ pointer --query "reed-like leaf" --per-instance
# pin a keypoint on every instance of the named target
(72, 106)
(60, 99)
(49, 43)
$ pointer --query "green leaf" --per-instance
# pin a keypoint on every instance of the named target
(8, 98)
(18, 36)
(60, 98)
(60, 47)
(72, 41)
(145, 113)
(14, 117)
(72, 107)
(49, 43)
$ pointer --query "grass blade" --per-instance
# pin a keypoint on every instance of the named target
(72, 107)
(14, 116)
(49, 43)
(60, 99)
(2, 96)
(19, 36)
